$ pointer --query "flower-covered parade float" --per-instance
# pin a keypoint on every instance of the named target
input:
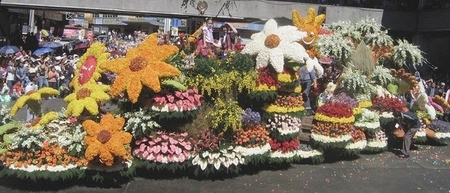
(180, 111)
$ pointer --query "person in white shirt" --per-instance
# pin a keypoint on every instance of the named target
(31, 86)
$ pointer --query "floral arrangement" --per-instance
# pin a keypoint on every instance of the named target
(164, 148)
(31, 99)
(106, 141)
(140, 123)
(387, 104)
(284, 127)
(89, 70)
(86, 99)
(358, 142)
(335, 113)
(288, 78)
(226, 115)
(178, 101)
(331, 135)
(376, 142)
(4, 114)
(369, 121)
(365, 104)
(250, 117)
(441, 129)
(344, 99)
(252, 136)
(285, 104)
(405, 76)
(284, 146)
(266, 77)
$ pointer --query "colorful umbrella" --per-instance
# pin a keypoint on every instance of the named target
(9, 49)
(41, 51)
(52, 45)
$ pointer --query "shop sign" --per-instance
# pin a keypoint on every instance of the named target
(111, 21)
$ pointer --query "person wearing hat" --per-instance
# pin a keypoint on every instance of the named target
(410, 123)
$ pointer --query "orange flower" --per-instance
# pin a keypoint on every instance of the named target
(143, 65)
(106, 139)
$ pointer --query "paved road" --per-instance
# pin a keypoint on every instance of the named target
(428, 170)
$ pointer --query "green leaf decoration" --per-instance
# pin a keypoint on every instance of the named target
(174, 84)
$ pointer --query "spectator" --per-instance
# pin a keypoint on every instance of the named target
(42, 74)
(53, 78)
(31, 87)
(228, 40)
(64, 90)
(4, 95)
(17, 90)
(11, 74)
(431, 89)
(21, 74)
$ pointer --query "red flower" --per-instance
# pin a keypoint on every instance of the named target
(337, 110)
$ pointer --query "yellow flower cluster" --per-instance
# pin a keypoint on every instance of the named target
(106, 140)
(426, 121)
(264, 87)
(226, 115)
(287, 78)
(279, 109)
(47, 118)
(365, 104)
(324, 118)
(357, 110)
(86, 97)
(441, 101)
(32, 98)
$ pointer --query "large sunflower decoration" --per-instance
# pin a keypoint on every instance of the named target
(106, 140)
(88, 68)
(86, 99)
(32, 99)
(142, 66)
(311, 25)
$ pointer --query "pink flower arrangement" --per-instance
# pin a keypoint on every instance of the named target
(177, 101)
(164, 148)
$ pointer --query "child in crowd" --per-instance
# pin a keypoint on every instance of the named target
(4, 95)
(17, 90)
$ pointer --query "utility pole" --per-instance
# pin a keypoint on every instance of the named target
(31, 21)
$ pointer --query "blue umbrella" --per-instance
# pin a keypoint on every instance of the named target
(9, 49)
(52, 45)
(41, 51)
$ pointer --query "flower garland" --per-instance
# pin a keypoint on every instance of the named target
(327, 139)
(106, 139)
(359, 145)
(177, 102)
(164, 148)
(323, 118)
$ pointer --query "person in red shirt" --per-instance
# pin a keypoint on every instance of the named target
(17, 90)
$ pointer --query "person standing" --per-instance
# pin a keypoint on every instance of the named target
(10, 74)
(410, 123)
(308, 79)
(228, 39)
(32, 86)
(53, 78)
(208, 38)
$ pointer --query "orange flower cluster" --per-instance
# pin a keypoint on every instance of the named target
(381, 52)
(332, 129)
(49, 155)
(406, 76)
(358, 135)
(253, 136)
(441, 101)
(289, 101)
(106, 140)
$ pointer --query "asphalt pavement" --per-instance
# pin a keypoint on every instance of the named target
(428, 170)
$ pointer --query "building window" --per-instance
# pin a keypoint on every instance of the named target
(109, 15)
(95, 15)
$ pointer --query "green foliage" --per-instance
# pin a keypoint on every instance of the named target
(158, 167)
(174, 84)
(355, 82)
(225, 115)
(238, 62)
(381, 76)
(392, 88)
(205, 66)
(372, 150)
(70, 174)
(176, 115)
(276, 135)
(331, 145)
(262, 96)
(405, 54)
(257, 159)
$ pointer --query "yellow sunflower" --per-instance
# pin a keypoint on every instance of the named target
(88, 68)
(106, 139)
(32, 99)
(86, 97)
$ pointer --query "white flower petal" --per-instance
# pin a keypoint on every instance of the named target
(293, 51)
(203, 164)
(217, 164)
(262, 60)
(290, 34)
(270, 27)
(277, 59)
(255, 46)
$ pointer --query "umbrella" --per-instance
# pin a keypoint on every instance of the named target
(115, 52)
(81, 46)
(41, 51)
(52, 45)
(9, 49)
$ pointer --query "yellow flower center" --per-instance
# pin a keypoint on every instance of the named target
(272, 41)
(104, 136)
(83, 93)
(138, 63)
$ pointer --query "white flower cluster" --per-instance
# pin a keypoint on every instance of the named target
(380, 136)
(165, 108)
(368, 125)
(387, 115)
(421, 132)
(4, 114)
(296, 153)
(26, 138)
(225, 157)
(377, 144)
(72, 139)
(442, 135)
(326, 139)
(284, 124)
(254, 150)
(358, 145)
(33, 168)
(139, 120)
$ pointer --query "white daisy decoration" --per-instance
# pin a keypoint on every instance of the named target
(274, 43)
